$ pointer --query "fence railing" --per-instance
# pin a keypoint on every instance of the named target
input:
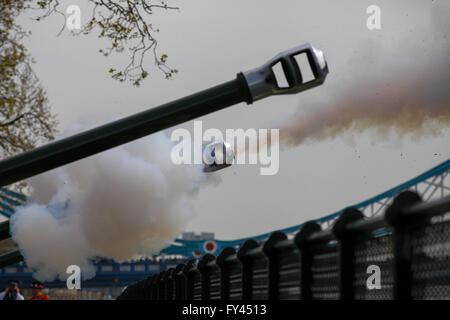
(407, 248)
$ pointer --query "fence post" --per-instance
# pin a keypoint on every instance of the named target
(224, 272)
(346, 251)
(133, 292)
(189, 285)
(168, 284)
(402, 242)
(151, 284)
(161, 286)
(147, 288)
(204, 272)
(140, 290)
(306, 255)
(155, 283)
(178, 282)
(246, 268)
(273, 262)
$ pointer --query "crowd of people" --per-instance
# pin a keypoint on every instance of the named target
(13, 292)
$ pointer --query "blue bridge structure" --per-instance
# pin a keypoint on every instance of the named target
(432, 184)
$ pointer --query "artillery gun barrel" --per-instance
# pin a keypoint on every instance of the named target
(248, 87)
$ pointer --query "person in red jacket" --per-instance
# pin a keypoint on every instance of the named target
(37, 291)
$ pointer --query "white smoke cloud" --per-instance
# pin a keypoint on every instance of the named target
(120, 203)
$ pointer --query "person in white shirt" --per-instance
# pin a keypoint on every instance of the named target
(12, 292)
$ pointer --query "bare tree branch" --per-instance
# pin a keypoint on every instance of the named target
(125, 26)
(13, 121)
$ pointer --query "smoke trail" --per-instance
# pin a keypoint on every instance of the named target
(406, 92)
(126, 201)
(414, 102)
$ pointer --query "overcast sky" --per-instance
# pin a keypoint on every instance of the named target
(209, 42)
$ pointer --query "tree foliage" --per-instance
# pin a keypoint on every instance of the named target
(124, 23)
(25, 117)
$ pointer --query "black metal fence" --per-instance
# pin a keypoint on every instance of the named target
(409, 245)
